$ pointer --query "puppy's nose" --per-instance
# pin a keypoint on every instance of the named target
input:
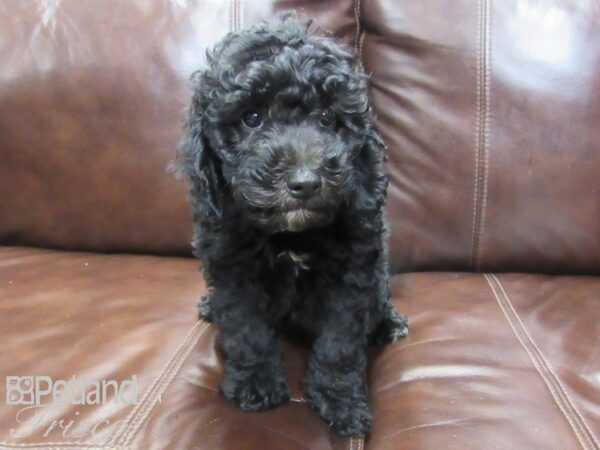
(303, 184)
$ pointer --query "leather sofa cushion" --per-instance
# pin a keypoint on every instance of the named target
(498, 362)
(92, 101)
(492, 361)
(490, 111)
(109, 318)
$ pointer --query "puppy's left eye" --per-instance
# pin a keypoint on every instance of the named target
(327, 118)
(252, 119)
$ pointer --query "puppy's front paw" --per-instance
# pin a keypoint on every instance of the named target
(391, 329)
(348, 416)
(256, 391)
(204, 309)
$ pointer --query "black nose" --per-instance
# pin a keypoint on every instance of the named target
(303, 184)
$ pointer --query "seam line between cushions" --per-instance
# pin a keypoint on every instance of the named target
(234, 15)
(61, 445)
(159, 385)
(360, 442)
(481, 136)
(239, 15)
(356, 444)
(168, 377)
(358, 40)
(138, 415)
(578, 425)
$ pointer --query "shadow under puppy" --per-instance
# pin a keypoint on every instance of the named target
(288, 185)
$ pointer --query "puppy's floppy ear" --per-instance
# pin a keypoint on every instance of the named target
(199, 161)
(371, 172)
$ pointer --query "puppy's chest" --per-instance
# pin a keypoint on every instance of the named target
(294, 261)
(290, 275)
(298, 256)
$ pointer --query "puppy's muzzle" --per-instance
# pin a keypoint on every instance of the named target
(303, 183)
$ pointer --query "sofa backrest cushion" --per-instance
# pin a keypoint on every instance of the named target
(491, 111)
(92, 105)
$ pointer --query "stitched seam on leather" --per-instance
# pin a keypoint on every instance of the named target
(486, 131)
(60, 445)
(235, 15)
(360, 34)
(85, 444)
(166, 379)
(192, 337)
(356, 444)
(357, 7)
(259, 426)
(360, 45)
(360, 442)
(477, 124)
(578, 425)
(481, 137)
(152, 387)
(172, 366)
(583, 423)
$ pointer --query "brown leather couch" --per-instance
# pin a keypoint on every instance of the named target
(491, 110)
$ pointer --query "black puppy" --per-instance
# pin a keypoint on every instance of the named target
(288, 184)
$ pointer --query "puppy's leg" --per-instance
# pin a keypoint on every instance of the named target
(392, 327)
(387, 324)
(204, 311)
(255, 377)
(335, 382)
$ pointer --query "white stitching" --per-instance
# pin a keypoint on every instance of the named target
(233, 6)
(143, 400)
(236, 6)
(541, 364)
(486, 134)
(130, 417)
(481, 138)
(357, 18)
(477, 134)
(60, 445)
(123, 429)
(172, 365)
(235, 15)
(361, 444)
(166, 379)
(547, 364)
(360, 44)
(359, 39)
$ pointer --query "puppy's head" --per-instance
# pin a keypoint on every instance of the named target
(280, 129)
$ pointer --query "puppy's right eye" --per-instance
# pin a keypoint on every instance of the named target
(252, 119)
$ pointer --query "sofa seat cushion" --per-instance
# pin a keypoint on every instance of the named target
(499, 362)
(492, 362)
(110, 317)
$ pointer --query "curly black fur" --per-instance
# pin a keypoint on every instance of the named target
(278, 102)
